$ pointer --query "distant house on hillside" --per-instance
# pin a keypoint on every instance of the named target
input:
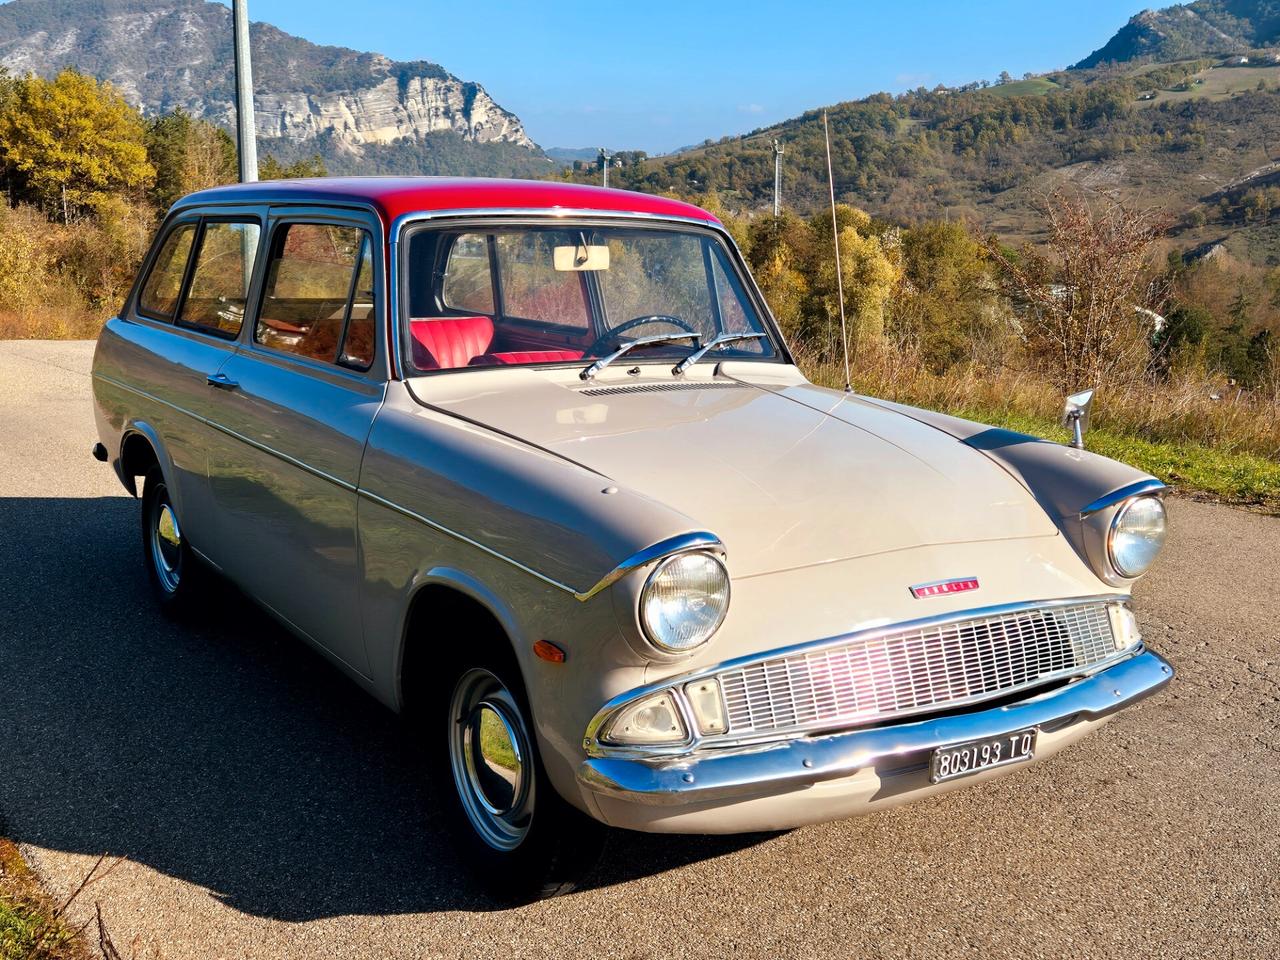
(1236, 62)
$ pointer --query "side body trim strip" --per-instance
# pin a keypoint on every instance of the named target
(678, 544)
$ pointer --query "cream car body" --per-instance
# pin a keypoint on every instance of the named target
(353, 503)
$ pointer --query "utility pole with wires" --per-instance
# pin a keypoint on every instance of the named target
(605, 159)
(777, 179)
(835, 231)
(246, 129)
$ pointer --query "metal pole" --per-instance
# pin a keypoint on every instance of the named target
(604, 166)
(835, 232)
(246, 129)
(777, 179)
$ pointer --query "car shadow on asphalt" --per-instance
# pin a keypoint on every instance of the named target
(223, 752)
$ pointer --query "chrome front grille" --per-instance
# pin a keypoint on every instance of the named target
(912, 671)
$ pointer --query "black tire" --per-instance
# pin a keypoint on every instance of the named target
(541, 846)
(173, 569)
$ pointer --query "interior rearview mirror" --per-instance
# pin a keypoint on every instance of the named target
(581, 257)
(1075, 414)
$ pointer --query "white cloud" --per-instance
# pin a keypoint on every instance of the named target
(750, 108)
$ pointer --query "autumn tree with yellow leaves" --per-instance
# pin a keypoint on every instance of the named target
(72, 145)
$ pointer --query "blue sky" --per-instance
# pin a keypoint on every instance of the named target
(657, 75)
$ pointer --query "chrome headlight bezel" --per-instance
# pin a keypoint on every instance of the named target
(648, 624)
(1114, 530)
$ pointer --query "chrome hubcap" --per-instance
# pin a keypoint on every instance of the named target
(166, 544)
(491, 760)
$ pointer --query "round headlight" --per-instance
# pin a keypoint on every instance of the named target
(684, 601)
(1137, 534)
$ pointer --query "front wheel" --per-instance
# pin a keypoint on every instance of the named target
(522, 841)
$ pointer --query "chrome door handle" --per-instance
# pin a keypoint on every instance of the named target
(222, 381)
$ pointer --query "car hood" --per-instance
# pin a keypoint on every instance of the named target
(786, 474)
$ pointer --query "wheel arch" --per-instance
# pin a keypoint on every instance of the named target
(141, 449)
(444, 595)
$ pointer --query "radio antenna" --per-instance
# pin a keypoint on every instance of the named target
(835, 233)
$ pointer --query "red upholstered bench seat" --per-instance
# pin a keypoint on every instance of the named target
(443, 343)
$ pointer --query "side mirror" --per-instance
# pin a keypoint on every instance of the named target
(1075, 414)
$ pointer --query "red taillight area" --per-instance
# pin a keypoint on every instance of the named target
(943, 587)
(546, 650)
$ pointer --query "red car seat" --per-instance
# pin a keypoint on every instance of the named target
(441, 343)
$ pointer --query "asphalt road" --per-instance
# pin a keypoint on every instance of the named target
(267, 808)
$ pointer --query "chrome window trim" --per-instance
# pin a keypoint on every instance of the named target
(560, 213)
(675, 684)
(1136, 489)
(700, 540)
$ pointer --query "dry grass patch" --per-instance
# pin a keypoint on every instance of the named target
(32, 927)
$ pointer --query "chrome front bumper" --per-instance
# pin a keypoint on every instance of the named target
(896, 752)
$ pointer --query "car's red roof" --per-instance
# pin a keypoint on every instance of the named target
(394, 196)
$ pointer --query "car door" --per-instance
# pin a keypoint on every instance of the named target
(177, 334)
(301, 394)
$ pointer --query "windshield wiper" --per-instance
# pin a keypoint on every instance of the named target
(715, 343)
(623, 348)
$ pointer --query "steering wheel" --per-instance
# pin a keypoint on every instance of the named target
(666, 318)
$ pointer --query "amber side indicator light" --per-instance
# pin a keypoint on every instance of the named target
(546, 650)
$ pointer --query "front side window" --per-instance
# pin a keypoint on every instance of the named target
(566, 293)
(318, 297)
(219, 288)
(159, 297)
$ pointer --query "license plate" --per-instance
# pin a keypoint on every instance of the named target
(974, 756)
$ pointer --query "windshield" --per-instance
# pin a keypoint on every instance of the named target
(535, 295)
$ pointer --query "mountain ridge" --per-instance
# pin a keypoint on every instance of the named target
(1185, 31)
(355, 108)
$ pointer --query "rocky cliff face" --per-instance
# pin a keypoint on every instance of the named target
(162, 54)
(387, 112)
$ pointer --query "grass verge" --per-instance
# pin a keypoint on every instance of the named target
(1227, 450)
(31, 924)
(1189, 468)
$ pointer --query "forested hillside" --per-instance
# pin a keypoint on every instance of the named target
(1203, 28)
(985, 154)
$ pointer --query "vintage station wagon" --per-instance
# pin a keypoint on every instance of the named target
(533, 465)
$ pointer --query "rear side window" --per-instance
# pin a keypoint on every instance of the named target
(159, 297)
(319, 297)
(219, 289)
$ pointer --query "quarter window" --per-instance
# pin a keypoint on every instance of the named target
(159, 297)
(319, 298)
(219, 289)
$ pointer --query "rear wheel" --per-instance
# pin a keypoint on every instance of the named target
(519, 838)
(173, 569)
